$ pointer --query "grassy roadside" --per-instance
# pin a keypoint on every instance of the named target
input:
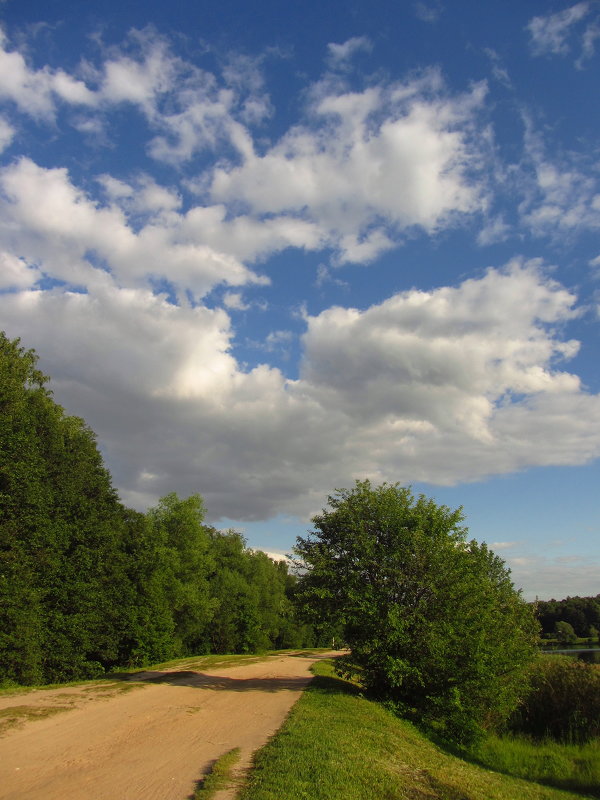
(337, 744)
(569, 766)
(219, 777)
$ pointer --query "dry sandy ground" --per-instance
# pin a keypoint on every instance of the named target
(142, 741)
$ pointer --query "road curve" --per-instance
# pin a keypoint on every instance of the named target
(151, 740)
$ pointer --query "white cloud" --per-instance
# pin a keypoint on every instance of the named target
(340, 54)
(277, 339)
(588, 43)
(35, 91)
(495, 230)
(7, 134)
(550, 33)
(15, 273)
(544, 576)
(52, 223)
(275, 556)
(377, 162)
(428, 12)
(140, 80)
(442, 386)
(234, 301)
(366, 166)
(563, 194)
(442, 360)
(186, 108)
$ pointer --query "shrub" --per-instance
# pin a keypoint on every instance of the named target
(563, 701)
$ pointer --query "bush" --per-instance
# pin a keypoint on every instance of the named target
(433, 621)
(563, 701)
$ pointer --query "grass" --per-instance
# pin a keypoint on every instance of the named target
(11, 717)
(569, 766)
(220, 776)
(338, 744)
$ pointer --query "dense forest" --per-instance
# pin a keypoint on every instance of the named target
(581, 613)
(87, 584)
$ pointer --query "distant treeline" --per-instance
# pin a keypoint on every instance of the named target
(87, 584)
(582, 613)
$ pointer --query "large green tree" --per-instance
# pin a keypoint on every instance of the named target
(72, 600)
(183, 550)
(433, 621)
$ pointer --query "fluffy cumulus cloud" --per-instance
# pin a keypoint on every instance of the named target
(370, 165)
(36, 92)
(110, 279)
(72, 238)
(7, 133)
(444, 386)
(364, 168)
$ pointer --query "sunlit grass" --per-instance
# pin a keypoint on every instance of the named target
(219, 777)
(570, 766)
(338, 744)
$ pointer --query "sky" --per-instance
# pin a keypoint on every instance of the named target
(265, 250)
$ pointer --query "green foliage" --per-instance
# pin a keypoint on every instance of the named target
(433, 621)
(582, 613)
(565, 633)
(337, 744)
(563, 701)
(182, 546)
(575, 767)
(87, 585)
(60, 529)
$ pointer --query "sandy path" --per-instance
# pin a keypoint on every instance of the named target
(143, 741)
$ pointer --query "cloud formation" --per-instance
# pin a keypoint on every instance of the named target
(117, 276)
(443, 386)
(550, 33)
(563, 194)
(372, 164)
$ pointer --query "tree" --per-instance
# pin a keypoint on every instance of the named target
(434, 623)
(183, 548)
(78, 592)
(565, 633)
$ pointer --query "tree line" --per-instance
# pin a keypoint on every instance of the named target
(87, 584)
(581, 614)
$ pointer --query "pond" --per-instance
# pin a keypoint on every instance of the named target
(589, 654)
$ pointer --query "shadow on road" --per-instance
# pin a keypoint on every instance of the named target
(200, 680)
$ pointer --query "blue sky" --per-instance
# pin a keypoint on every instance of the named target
(266, 251)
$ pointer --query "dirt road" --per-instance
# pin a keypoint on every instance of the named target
(151, 740)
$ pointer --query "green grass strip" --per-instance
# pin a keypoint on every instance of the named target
(568, 766)
(219, 777)
(337, 744)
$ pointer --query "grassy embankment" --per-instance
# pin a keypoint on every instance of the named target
(337, 744)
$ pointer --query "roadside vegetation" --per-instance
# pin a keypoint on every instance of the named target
(88, 585)
(435, 626)
(338, 743)
(220, 776)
